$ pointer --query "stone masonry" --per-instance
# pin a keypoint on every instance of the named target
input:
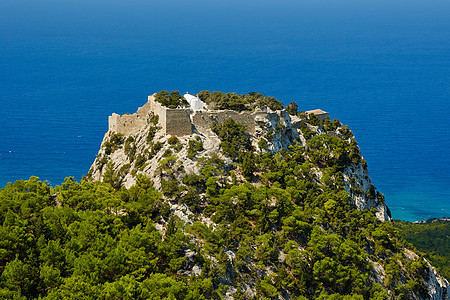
(181, 121)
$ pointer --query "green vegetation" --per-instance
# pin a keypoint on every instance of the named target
(276, 224)
(171, 100)
(431, 237)
(91, 239)
(151, 133)
(91, 242)
(195, 146)
(173, 140)
(327, 151)
(233, 101)
(154, 120)
(114, 143)
(175, 143)
(292, 108)
(234, 140)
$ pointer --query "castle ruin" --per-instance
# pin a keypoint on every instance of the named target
(182, 121)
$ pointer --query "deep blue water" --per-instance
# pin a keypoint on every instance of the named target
(382, 67)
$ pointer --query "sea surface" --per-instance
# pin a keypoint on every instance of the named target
(381, 67)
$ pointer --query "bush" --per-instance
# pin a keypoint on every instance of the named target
(167, 153)
(248, 165)
(175, 143)
(140, 161)
(171, 100)
(204, 96)
(262, 144)
(194, 180)
(151, 133)
(173, 140)
(113, 144)
(233, 101)
(116, 139)
(154, 120)
(233, 138)
(346, 132)
(155, 148)
(171, 187)
(194, 147)
(128, 143)
(292, 108)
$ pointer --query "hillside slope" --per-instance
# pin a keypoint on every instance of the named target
(432, 237)
(285, 210)
(279, 208)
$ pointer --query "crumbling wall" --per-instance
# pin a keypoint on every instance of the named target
(157, 108)
(126, 124)
(144, 110)
(179, 121)
(203, 119)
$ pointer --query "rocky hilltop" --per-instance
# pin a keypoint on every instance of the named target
(273, 202)
(143, 142)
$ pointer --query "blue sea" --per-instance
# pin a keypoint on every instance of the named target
(382, 67)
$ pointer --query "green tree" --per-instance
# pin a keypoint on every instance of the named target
(171, 100)
(248, 165)
(233, 138)
(292, 108)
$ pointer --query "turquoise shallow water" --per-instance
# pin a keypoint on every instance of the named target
(381, 67)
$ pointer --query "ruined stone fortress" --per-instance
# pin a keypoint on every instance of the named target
(183, 121)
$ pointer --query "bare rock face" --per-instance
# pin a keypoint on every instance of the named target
(438, 286)
(359, 185)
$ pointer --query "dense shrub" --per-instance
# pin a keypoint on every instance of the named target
(292, 108)
(151, 133)
(173, 140)
(234, 139)
(250, 101)
(171, 100)
(114, 143)
(430, 237)
(194, 147)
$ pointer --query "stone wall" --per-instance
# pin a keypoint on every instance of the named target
(173, 121)
(126, 124)
(156, 107)
(179, 121)
(203, 119)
